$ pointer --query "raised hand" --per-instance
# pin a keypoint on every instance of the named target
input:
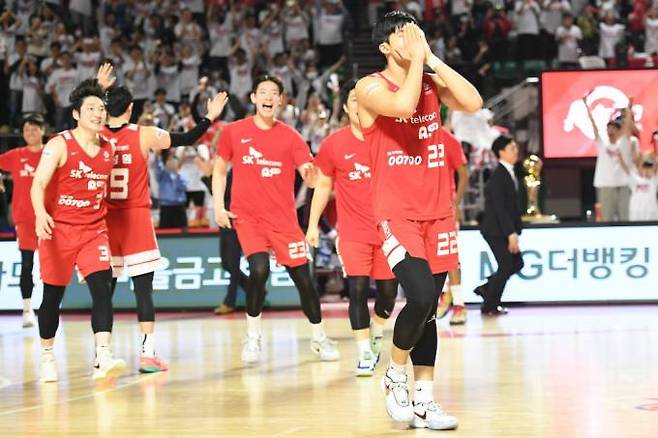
(104, 76)
(216, 105)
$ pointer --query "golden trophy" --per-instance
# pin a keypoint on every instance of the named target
(533, 165)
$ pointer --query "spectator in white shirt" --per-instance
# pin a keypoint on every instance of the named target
(60, 85)
(137, 73)
(330, 21)
(651, 31)
(611, 33)
(527, 25)
(221, 34)
(89, 58)
(296, 24)
(14, 61)
(82, 15)
(189, 77)
(610, 179)
(240, 69)
(32, 87)
(568, 37)
(168, 75)
(162, 111)
(551, 18)
(188, 31)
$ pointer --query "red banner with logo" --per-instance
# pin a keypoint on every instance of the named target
(567, 131)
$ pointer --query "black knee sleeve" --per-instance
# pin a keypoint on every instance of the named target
(358, 308)
(114, 284)
(26, 282)
(308, 294)
(415, 276)
(143, 285)
(387, 291)
(424, 352)
(259, 270)
(100, 287)
(49, 310)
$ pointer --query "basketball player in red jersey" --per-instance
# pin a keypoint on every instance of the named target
(68, 196)
(265, 153)
(21, 164)
(456, 162)
(343, 163)
(133, 244)
(400, 117)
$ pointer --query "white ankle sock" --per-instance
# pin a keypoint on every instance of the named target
(397, 372)
(364, 346)
(27, 304)
(318, 331)
(457, 297)
(377, 329)
(253, 325)
(148, 345)
(424, 391)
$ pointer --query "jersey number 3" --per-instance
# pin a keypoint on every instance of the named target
(119, 183)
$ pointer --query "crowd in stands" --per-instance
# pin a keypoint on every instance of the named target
(174, 54)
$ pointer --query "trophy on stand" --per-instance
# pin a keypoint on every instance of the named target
(533, 165)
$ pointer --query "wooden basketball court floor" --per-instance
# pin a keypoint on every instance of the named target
(581, 371)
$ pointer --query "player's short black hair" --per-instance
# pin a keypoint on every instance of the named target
(389, 24)
(118, 99)
(35, 119)
(267, 78)
(500, 143)
(86, 88)
(345, 91)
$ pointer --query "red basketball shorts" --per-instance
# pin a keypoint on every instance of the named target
(289, 247)
(432, 240)
(84, 246)
(363, 259)
(27, 236)
(133, 244)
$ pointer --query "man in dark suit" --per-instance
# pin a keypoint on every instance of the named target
(501, 224)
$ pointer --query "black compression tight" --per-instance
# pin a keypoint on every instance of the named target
(100, 287)
(26, 283)
(308, 294)
(416, 278)
(259, 271)
(49, 310)
(358, 308)
(143, 285)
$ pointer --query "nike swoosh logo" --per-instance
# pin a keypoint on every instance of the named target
(245, 140)
(348, 156)
(422, 417)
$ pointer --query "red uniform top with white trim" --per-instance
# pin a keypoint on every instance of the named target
(129, 180)
(76, 193)
(264, 166)
(346, 159)
(21, 164)
(411, 179)
(455, 156)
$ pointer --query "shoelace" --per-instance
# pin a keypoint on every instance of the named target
(401, 392)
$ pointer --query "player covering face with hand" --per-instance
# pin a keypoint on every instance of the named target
(264, 154)
(399, 113)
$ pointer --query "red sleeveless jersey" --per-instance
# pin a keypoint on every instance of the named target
(129, 180)
(410, 175)
(77, 190)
